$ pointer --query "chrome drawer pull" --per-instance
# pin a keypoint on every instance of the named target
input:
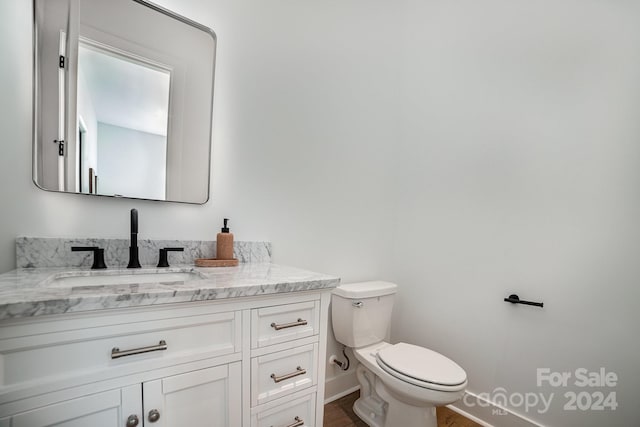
(299, 371)
(299, 322)
(298, 422)
(116, 353)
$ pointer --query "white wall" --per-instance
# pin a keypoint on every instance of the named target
(142, 155)
(503, 158)
(302, 127)
(519, 172)
(305, 101)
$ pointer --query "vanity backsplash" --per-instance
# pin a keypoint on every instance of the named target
(38, 252)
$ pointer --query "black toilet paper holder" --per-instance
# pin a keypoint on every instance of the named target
(514, 299)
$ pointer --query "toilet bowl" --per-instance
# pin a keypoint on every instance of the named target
(400, 384)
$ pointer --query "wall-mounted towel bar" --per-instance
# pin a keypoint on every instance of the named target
(514, 299)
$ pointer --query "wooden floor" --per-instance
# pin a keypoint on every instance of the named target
(339, 413)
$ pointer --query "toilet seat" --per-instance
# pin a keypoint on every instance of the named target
(421, 367)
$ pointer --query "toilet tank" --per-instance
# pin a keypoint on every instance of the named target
(361, 312)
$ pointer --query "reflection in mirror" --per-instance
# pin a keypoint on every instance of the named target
(123, 107)
(126, 111)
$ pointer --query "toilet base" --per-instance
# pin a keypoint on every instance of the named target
(371, 410)
(376, 412)
(400, 413)
(379, 407)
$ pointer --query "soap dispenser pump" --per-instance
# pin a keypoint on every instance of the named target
(224, 243)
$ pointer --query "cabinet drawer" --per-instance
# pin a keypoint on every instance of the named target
(299, 412)
(81, 351)
(277, 324)
(277, 374)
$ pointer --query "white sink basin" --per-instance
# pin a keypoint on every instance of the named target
(69, 280)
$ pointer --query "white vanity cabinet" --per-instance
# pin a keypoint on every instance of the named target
(207, 397)
(236, 362)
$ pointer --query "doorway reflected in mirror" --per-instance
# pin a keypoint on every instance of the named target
(123, 115)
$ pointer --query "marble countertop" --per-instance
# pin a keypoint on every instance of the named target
(30, 292)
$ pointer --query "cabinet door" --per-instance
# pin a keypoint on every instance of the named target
(107, 409)
(206, 398)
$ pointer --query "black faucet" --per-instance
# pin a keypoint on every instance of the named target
(98, 255)
(163, 260)
(134, 262)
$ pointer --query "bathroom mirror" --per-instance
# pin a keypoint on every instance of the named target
(123, 98)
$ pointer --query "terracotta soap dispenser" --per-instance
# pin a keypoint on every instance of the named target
(224, 250)
(224, 243)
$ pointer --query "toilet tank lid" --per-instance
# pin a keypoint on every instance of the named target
(371, 289)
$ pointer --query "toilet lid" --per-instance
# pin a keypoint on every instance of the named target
(422, 364)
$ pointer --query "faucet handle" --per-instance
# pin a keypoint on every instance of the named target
(98, 255)
(163, 259)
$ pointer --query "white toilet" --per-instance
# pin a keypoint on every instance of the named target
(400, 384)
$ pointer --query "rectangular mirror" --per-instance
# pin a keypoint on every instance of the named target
(123, 99)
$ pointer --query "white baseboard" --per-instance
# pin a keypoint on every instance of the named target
(488, 414)
(339, 386)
